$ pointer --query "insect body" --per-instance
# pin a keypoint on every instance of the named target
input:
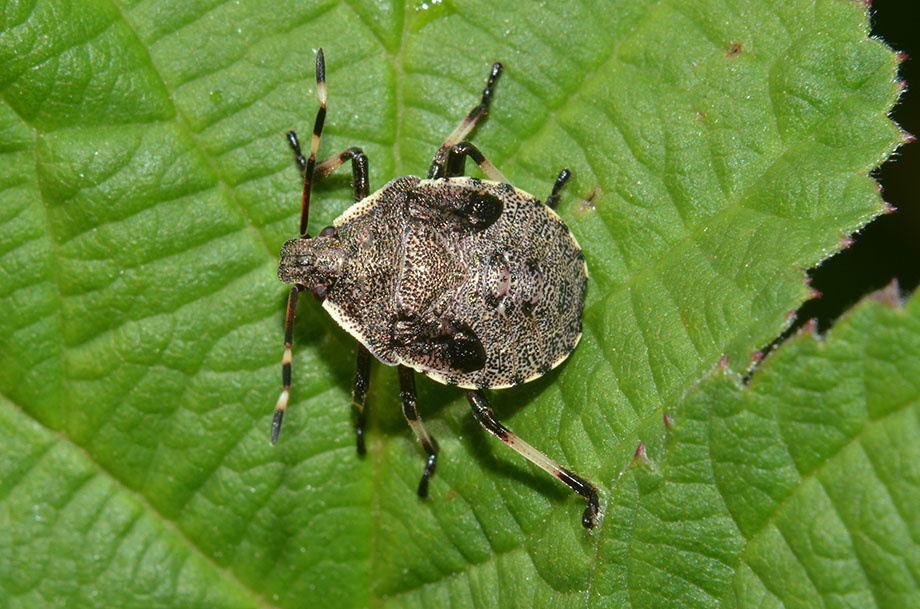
(473, 283)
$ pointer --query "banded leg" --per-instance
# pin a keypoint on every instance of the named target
(553, 198)
(407, 393)
(359, 393)
(438, 164)
(286, 359)
(359, 165)
(483, 413)
(456, 161)
(359, 170)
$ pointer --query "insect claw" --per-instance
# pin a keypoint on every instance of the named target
(590, 513)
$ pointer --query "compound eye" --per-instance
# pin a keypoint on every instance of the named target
(329, 231)
(319, 292)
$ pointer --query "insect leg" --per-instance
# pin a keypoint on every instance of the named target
(359, 169)
(483, 413)
(281, 404)
(553, 198)
(294, 143)
(407, 393)
(456, 160)
(359, 393)
(463, 129)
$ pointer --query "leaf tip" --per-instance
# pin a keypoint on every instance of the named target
(810, 326)
(890, 295)
(668, 421)
(640, 457)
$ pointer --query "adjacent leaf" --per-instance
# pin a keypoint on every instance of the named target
(145, 189)
(795, 491)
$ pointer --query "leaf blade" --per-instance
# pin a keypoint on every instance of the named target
(148, 340)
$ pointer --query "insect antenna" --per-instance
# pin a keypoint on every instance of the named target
(286, 361)
(314, 141)
(308, 168)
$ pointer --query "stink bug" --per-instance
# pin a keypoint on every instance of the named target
(471, 282)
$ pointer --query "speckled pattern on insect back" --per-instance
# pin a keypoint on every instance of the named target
(518, 284)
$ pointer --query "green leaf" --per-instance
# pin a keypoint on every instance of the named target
(797, 490)
(145, 189)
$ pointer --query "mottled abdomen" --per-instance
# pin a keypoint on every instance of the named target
(523, 292)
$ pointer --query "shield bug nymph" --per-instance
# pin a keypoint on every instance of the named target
(471, 282)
